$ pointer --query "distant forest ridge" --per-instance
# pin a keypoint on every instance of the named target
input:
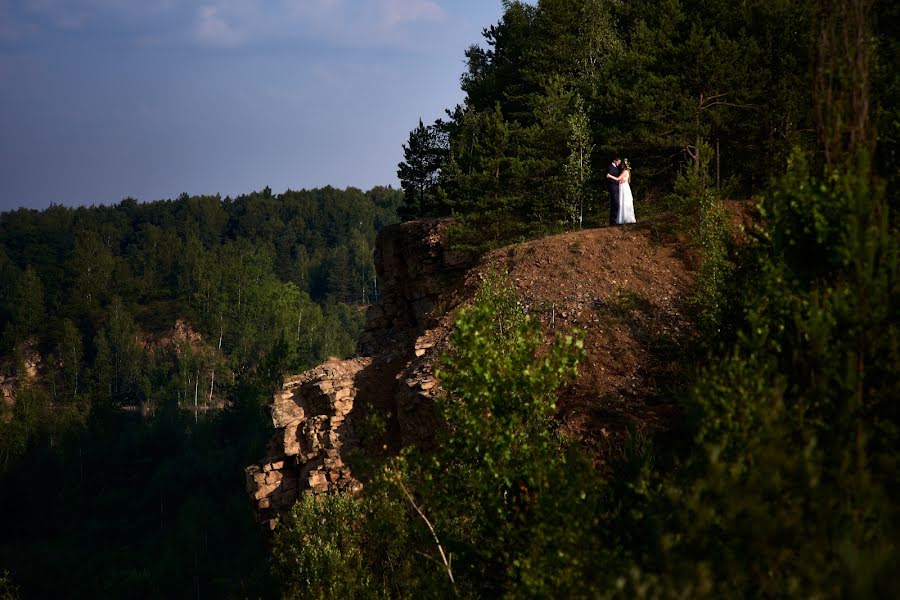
(246, 273)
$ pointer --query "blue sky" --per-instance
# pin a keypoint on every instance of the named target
(104, 99)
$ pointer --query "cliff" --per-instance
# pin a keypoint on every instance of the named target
(317, 415)
(627, 287)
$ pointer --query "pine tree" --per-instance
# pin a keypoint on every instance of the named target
(423, 154)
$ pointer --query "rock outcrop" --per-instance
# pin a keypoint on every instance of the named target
(627, 288)
(313, 418)
(317, 415)
(32, 367)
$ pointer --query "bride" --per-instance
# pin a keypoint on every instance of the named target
(626, 200)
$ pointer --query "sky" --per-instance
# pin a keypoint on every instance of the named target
(106, 99)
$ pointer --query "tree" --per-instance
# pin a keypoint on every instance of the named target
(70, 353)
(496, 491)
(91, 271)
(485, 179)
(578, 167)
(28, 312)
(423, 154)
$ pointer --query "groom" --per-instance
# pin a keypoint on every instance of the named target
(611, 174)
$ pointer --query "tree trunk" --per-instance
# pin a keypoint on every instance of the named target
(196, 389)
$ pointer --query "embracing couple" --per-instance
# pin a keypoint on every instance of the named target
(621, 202)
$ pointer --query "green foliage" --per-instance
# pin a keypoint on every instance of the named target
(342, 546)
(130, 480)
(561, 86)
(8, 591)
(788, 491)
(27, 417)
(707, 224)
(784, 485)
(423, 156)
(886, 90)
(501, 485)
(499, 502)
(578, 167)
(319, 550)
(28, 315)
(499, 394)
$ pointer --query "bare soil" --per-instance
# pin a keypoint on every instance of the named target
(628, 289)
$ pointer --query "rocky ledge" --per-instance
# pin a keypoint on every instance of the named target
(316, 415)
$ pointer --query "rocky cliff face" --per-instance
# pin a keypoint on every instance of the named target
(317, 415)
(313, 419)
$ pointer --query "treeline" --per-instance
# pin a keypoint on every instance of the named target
(560, 86)
(319, 240)
(90, 297)
(139, 344)
(243, 272)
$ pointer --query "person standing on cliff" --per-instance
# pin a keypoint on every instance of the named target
(612, 183)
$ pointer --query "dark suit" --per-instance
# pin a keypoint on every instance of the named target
(613, 193)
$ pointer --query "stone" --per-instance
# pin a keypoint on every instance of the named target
(287, 411)
(324, 386)
(292, 381)
(312, 412)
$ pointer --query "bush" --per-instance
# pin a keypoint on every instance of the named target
(499, 507)
(788, 491)
(318, 550)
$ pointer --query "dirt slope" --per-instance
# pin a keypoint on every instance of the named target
(627, 287)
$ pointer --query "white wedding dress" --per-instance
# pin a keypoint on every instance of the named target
(626, 203)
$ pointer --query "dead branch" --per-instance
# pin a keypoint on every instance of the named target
(447, 559)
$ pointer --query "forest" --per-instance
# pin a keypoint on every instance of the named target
(140, 342)
(780, 479)
(559, 87)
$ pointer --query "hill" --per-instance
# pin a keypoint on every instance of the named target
(627, 288)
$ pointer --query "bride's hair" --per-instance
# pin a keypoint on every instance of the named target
(627, 164)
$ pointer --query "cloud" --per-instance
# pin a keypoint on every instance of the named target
(398, 12)
(307, 8)
(359, 23)
(211, 29)
(352, 24)
(30, 17)
(62, 14)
